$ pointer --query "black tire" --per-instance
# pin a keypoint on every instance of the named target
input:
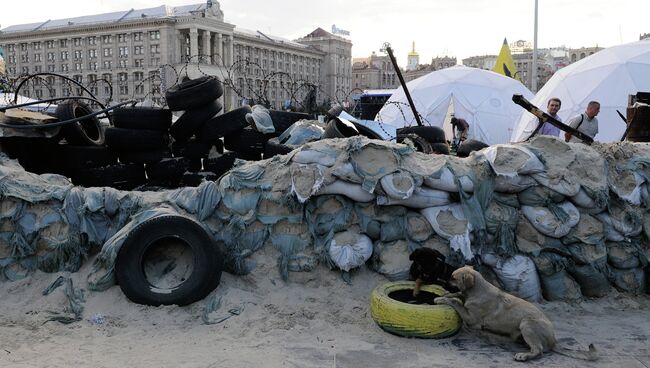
(193, 120)
(121, 176)
(147, 118)
(220, 165)
(440, 148)
(421, 144)
(86, 132)
(247, 141)
(338, 129)
(171, 168)
(224, 124)
(273, 148)
(36, 155)
(145, 157)
(282, 120)
(193, 93)
(80, 157)
(469, 146)
(430, 133)
(249, 156)
(152, 241)
(125, 140)
(192, 149)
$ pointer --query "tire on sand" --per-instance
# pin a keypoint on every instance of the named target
(168, 260)
(412, 320)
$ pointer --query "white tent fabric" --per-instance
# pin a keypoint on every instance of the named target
(481, 97)
(607, 76)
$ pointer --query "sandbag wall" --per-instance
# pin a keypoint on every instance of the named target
(541, 218)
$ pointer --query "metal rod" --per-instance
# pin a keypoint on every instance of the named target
(389, 50)
(533, 84)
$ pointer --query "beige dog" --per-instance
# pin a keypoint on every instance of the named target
(488, 308)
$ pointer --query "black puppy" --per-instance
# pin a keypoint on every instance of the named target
(429, 267)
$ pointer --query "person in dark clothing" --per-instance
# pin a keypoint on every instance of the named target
(461, 128)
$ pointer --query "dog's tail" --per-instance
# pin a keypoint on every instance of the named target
(591, 354)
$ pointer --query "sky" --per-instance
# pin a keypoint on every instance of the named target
(459, 28)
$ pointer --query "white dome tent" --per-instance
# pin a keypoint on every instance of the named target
(481, 97)
(607, 76)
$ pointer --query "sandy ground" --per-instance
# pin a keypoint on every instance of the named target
(314, 320)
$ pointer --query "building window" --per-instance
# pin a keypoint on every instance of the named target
(121, 37)
(124, 90)
(63, 43)
(92, 78)
(154, 62)
(23, 47)
(107, 39)
(138, 63)
(92, 54)
(37, 46)
(108, 52)
(139, 89)
(64, 55)
(92, 40)
(137, 50)
(138, 76)
(25, 70)
(64, 67)
(107, 64)
(38, 69)
(77, 42)
(154, 35)
(123, 77)
(77, 66)
(124, 63)
(24, 58)
(124, 51)
(92, 65)
(137, 36)
(107, 77)
(51, 68)
(154, 49)
(78, 54)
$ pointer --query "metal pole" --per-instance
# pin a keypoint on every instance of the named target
(534, 74)
(389, 50)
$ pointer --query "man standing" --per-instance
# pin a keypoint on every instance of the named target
(460, 127)
(585, 122)
(552, 107)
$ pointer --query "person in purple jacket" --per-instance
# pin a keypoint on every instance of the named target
(552, 107)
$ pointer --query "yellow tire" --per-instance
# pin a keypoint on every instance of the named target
(412, 320)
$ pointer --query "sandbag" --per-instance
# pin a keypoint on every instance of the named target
(350, 249)
(625, 256)
(417, 227)
(626, 219)
(391, 259)
(301, 132)
(548, 223)
(555, 280)
(589, 231)
(631, 280)
(611, 234)
(587, 253)
(510, 160)
(501, 221)
(445, 180)
(513, 184)
(306, 180)
(350, 190)
(398, 185)
(585, 203)
(450, 223)
(421, 198)
(592, 278)
(518, 276)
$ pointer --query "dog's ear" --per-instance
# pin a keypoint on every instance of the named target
(467, 280)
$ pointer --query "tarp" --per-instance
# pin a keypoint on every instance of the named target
(608, 76)
(481, 97)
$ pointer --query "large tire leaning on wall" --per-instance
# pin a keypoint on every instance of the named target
(412, 320)
(469, 146)
(178, 249)
(193, 120)
(432, 134)
(193, 93)
(86, 132)
(420, 144)
(224, 124)
(282, 120)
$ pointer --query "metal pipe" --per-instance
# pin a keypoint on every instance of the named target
(533, 84)
(389, 50)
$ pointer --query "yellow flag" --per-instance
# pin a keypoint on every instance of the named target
(505, 65)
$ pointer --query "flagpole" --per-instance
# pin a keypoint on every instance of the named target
(534, 74)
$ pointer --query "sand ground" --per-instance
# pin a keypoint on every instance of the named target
(314, 320)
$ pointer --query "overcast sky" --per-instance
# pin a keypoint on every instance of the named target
(458, 28)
